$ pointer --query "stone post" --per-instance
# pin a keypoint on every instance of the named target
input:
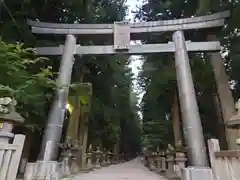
(163, 162)
(74, 150)
(152, 163)
(114, 158)
(104, 158)
(158, 162)
(122, 157)
(181, 160)
(89, 158)
(109, 158)
(47, 168)
(155, 159)
(98, 156)
(116, 151)
(170, 164)
(65, 157)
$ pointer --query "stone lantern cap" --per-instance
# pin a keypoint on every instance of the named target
(7, 110)
(234, 122)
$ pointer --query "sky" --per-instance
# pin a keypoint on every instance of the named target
(135, 62)
(132, 3)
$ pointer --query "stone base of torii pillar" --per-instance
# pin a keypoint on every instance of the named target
(43, 170)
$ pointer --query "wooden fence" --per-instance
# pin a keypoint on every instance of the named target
(10, 155)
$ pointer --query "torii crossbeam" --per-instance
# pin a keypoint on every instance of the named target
(208, 21)
(133, 49)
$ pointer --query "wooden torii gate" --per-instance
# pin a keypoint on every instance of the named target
(122, 33)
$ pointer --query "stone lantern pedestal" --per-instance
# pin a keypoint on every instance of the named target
(98, 154)
(8, 118)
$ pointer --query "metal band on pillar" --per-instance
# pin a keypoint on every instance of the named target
(190, 116)
(54, 125)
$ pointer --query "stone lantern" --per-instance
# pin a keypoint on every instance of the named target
(8, 117)
(234, 122)
(68, 156)
(98, 154)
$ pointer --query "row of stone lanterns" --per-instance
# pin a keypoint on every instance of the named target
(96, 159)
(165, 162)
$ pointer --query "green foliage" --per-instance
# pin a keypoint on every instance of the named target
(157, 77)
(19, 79)
(112, 108)
(113, 113)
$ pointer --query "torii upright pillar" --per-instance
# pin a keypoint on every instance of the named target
(53, 129)
(189, 108)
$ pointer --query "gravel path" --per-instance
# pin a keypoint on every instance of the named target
(132, 170)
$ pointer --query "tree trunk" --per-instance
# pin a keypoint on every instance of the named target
(221, 126)
(224, 92)
(84, 138)
(73, 128)
(176, 122)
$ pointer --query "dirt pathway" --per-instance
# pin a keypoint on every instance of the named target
(132, 170)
